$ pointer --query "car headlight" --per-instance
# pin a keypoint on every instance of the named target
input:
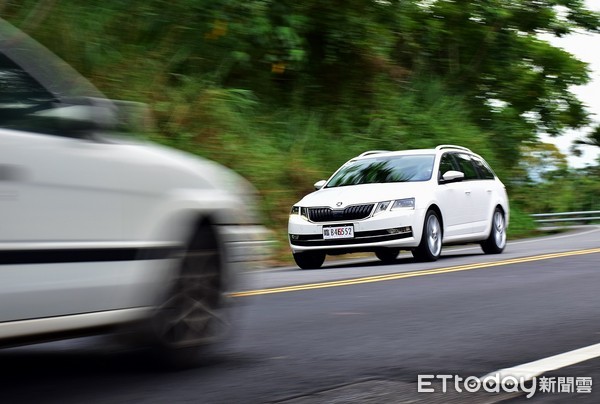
(382, 207)
(406, 203)
(302, 212)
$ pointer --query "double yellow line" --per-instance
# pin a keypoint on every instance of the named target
(412, 274)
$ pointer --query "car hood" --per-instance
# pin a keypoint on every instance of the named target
(365, 193)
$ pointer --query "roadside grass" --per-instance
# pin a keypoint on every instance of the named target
(521, 224)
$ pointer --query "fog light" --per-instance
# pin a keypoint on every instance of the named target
(399, 230)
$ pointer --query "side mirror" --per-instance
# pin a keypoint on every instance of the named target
(82, 116)
(452, 176)
(320, 184)
(73, 120)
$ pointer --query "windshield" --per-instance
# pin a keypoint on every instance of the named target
(377, 170)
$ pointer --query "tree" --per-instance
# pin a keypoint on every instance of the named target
(342, 58)
(593, 138)
(541, 162)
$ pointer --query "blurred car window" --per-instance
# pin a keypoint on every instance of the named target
(20, 95)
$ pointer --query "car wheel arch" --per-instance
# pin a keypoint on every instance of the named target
(179, 228)
(438, 211)
(497, 205)
(176, 219)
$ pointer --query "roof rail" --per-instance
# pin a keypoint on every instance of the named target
(373, 152)
(451, 146)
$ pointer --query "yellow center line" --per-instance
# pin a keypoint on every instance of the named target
(412, 274)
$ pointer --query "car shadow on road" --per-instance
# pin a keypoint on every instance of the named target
(402, 260)
(62, 372)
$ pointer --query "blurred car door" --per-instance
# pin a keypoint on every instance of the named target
(60, 209)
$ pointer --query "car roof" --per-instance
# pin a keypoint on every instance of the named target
(388, 153)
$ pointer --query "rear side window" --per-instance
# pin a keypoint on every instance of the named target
(466, 166)
(484, 170)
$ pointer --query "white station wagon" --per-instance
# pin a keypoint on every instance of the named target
(416, 200)
(102, 232)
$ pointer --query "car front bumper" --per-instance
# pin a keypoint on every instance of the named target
(399, 229)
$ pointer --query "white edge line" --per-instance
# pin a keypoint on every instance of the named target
(528, 371)
(536, 239)
(595, 229)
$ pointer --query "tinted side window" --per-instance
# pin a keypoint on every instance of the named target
(466, 166)
(484, 171)
(20, 95)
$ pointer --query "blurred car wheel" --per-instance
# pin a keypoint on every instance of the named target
(192, 316)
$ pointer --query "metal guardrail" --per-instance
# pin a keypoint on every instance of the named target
(584, 217)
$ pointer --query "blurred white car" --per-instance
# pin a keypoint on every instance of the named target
(417, 200)
(102, 232)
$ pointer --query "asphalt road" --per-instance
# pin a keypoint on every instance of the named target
(365, 340)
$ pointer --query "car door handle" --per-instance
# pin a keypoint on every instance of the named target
(468, 192)
(11, 173)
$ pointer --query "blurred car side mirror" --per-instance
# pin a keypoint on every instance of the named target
(75, 119)
(83, 116)
(452, 176)
(320, 184)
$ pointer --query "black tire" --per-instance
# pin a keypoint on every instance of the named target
(496, 241)
(191, 316)
(387, 255)
(430, 247)
(309, 259)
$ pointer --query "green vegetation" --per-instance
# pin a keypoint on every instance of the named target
(521, 224)
(285, 91)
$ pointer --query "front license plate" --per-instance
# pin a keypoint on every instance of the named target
(338, 232)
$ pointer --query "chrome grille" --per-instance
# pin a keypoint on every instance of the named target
(355, 212)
